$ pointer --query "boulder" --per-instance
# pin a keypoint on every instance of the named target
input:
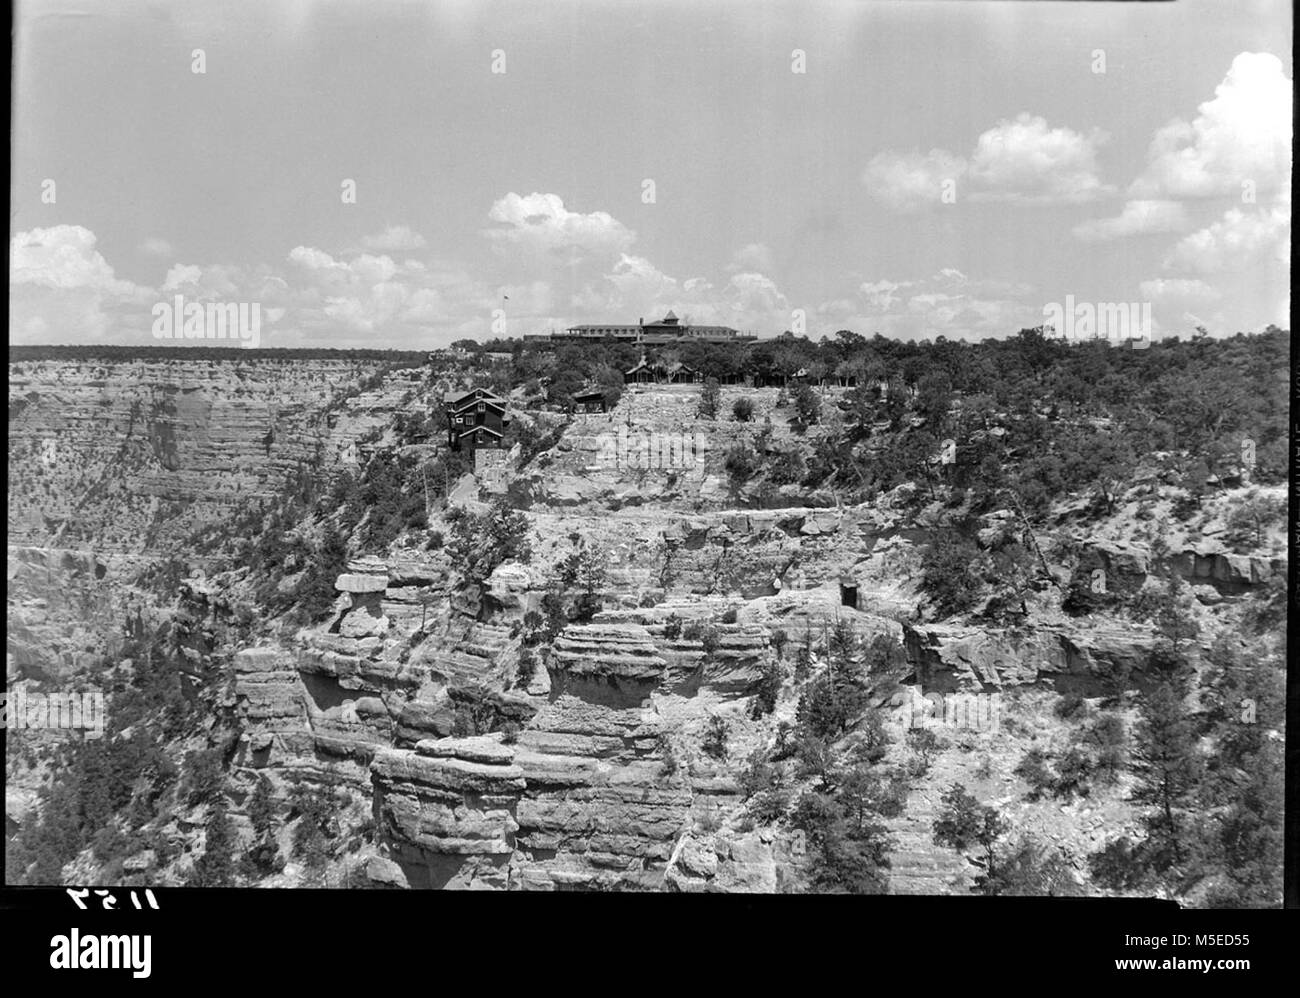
(360, 624)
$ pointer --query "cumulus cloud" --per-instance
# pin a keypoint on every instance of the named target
(62, 289)
(614, 283)
(1240, 239)
(372, 293)
(212, 282)
(636, 288)
(1022, 160)
(63, 257)
(1236, 149)
(1136, 218)
(1242, 135)
(640, 286)
(750, 296)
(912, 181)
(882, 296)
(541, 225)
(1026, 160)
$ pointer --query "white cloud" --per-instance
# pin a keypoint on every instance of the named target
(1237, 149)
(540, 225)
(948, 303)
(1021, 160)
(751, 297)
(62, 289)
(181, 275)
(63, 257)
(1026, 160)
(1136, 218)
(1242, 135)
(211, 282)
(640, 287)
(882, 296)
(911, 181)
(1239, 240)
(635, 288)
(373, 293)
(313, 259)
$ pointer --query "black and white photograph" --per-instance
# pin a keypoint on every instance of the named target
(648, 447)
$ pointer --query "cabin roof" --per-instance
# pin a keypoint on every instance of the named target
(457, 400)
(478, 429)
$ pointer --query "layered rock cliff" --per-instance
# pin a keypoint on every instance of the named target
(609, 753)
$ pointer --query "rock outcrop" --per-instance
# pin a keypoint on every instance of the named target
(949, 657)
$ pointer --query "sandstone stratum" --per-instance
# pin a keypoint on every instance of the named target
(581, 671)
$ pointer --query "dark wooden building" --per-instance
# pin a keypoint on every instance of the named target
(476, 419)
(643, 373)
(682, 374)
(590, 400)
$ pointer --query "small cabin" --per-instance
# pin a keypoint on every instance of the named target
(848, 590)
(642, 373)
(590, 400)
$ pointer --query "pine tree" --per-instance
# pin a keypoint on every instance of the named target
(1169, 768)
(709, 398)
(216, 867)
(1030, 868)
(261, 807)
(807, 404)
(833, 700)
(768, 689)
(845, 854)
(1249, 843)
(964, 823)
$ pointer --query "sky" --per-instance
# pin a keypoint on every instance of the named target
(390, 174)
